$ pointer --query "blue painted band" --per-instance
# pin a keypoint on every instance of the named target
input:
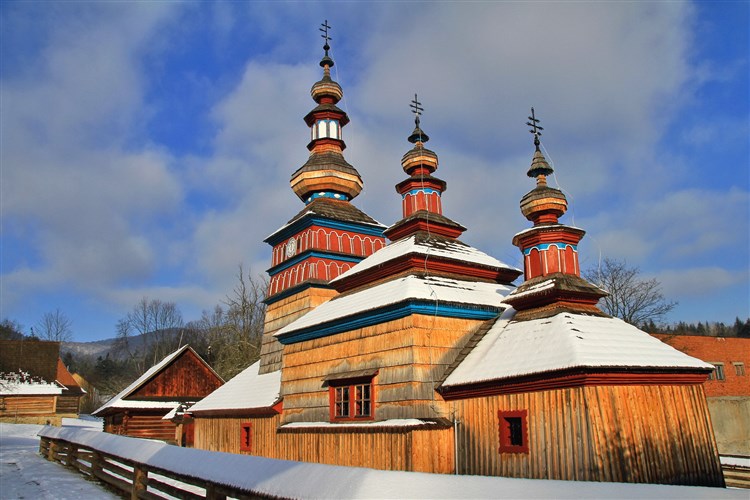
(307, 254)
(389, 313)
(326, 194)
(545, 246)
(309, 220)
(421, 190)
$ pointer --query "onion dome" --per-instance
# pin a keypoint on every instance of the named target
(326, 174)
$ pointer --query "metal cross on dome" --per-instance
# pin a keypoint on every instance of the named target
(536, 128)
(416, 108)
(325, 29)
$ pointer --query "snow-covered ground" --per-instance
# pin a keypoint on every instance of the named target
(25, 474)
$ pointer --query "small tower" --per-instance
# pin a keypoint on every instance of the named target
(421, 193)
(550, 250)
(329, 235)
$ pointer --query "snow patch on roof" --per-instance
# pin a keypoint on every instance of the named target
(433, 288)
(513, 349)
(452, 250)
(22, 383)
(247, 390)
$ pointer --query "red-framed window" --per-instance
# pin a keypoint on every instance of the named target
(246, 436)
(352, 399)
(513, 431)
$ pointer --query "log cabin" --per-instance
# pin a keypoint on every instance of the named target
(423, 356)
(147, 406)
(35, 385)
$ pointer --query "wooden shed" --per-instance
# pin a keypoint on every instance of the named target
(35, 385)
(139, 410)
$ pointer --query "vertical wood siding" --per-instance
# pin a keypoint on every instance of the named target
(655, 434)
(412, 450)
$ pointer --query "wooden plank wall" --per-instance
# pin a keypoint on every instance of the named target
(412, 450)
(187, 377)
(68, 404)
(281, 313)
(27, 406)
(143, 426)
(410, 354)
(654, 434)
(223, 434)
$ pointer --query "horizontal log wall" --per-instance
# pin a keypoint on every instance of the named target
(410, 354)
(653, 434)
(142, 426)
(27, 406)
(68, 404)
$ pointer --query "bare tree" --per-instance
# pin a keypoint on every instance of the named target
(55, 326)
(156, 326)
(11, 330)
(232, 332)
(631, 298)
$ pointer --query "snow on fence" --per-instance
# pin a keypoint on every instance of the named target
(151, 469)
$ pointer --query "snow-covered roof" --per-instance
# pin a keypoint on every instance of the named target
(447, 249)
(430, 288)
(247, 390)
(118, 402)
(8, 388)
(513, 349)
(396, 422)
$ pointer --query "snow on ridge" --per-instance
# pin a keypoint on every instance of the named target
(289, 479)
(433, 288)
(452, 250)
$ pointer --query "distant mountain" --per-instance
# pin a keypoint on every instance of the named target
(109, 346)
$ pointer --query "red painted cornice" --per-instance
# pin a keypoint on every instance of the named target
(572, 378)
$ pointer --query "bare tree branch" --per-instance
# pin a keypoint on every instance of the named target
(55, 326)
(632, 299)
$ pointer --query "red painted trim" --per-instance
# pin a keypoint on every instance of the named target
(562, 380)
(504, 431)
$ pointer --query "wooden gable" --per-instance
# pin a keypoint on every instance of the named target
(187, 377)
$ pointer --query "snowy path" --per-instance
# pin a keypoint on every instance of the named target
(25, 474)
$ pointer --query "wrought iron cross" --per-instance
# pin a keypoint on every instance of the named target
(535, 128)
(416, 108)
(325, 29)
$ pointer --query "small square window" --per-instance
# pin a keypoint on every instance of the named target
(513, 431)
(739, 368)
(246, 436)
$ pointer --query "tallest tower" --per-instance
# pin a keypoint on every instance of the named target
(329, 235)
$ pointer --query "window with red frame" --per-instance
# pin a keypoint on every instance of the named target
(513, 431)
(351, 400)
(246, 436)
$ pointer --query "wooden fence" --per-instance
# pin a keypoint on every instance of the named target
(134, 479)
(140, 468)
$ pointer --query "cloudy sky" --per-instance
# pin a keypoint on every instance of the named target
(146, 147)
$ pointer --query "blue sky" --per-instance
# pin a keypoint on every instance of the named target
(146, 147)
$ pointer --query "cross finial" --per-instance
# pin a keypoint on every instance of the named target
(325, 36)
(416, 108)
(535, 128)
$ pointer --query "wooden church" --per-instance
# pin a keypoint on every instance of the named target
(422, 355)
